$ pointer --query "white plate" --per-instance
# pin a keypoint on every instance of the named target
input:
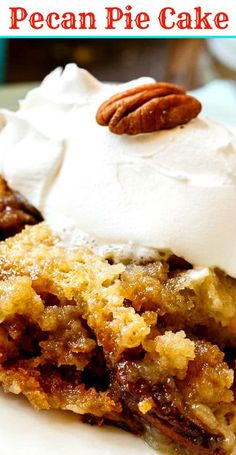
(26, 432)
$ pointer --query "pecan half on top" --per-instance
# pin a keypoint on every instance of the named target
(148, 108)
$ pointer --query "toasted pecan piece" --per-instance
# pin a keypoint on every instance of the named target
(174, 411)
(148, 108)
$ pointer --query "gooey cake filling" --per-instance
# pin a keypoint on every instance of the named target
(137, 345)
(120, 307)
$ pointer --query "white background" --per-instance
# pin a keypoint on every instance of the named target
(152, 7)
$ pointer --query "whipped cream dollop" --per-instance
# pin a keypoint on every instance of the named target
(172, 190)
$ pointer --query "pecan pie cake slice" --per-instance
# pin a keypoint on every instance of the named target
(136, 345)
(123, 310)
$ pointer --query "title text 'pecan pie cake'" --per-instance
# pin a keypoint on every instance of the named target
(121, 305)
